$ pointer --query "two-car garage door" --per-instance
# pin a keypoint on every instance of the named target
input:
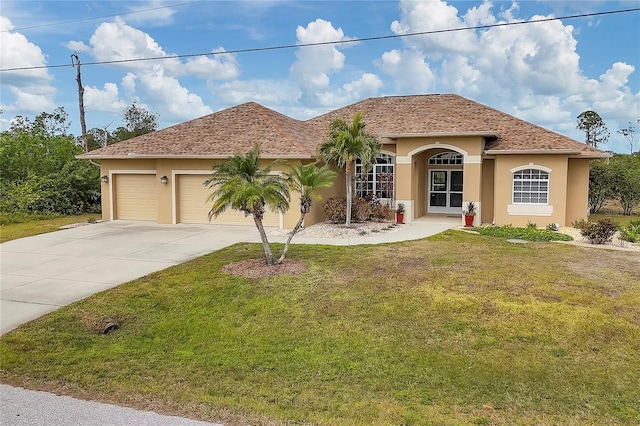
(136, 198)
(192, 205)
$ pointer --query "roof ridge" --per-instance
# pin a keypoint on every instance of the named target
(269, 113)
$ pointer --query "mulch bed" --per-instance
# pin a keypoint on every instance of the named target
(257, 268)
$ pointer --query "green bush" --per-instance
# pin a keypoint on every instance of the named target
(632, 232)
(600, 232)
(523, 233)
(579, 224)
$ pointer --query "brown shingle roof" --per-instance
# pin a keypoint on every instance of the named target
(238, 129)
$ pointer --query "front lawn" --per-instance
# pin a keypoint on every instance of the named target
(455, 329)
(27, 226)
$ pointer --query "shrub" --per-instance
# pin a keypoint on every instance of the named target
(600, 232)
(532, 225)
(335, 210)
(381, 213)
(632, 232)
(579, 224)
(360, 210)
(524, 233)
(553, 227)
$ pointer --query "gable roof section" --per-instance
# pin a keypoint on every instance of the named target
(240, 128)
(433, 115)
(220, 135)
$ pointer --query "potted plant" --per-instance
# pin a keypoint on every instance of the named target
(469, 214)
(400, 213)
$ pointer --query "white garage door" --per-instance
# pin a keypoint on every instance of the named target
(192, 205)
(136, 197)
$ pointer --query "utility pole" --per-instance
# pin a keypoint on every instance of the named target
(75, 61)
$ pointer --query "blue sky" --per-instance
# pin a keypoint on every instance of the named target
(546, 73)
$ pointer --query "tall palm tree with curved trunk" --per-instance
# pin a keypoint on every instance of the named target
(345, 143)
(306, 180)
(240, 184)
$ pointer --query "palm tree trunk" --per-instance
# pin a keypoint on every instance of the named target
(265, 243)
(293, 232)
(349, 196)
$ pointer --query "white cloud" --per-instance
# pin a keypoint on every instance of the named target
(532, 71)
(173, 102)
(107, 99)
(314, 64)
(77, 46)
(265, 92)
(31, 89)
(222, 66)
(154, 13)
(409, 69)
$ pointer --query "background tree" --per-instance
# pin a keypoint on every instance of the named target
(138, 121)
(345, 143)
(600, 185)
(629, 134)
(40, 173)
(306, 180)
(626, 183)
(619, 179)
(240, 184)
(596, 132)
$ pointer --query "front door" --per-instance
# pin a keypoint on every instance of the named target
(445, 191)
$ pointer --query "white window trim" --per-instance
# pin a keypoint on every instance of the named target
(548, 181)
(393, 164)
(531, 209)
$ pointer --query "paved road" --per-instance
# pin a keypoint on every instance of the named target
(32, 408)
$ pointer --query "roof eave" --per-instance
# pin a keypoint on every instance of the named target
(185, 156)
(533, 151)
(392, 136)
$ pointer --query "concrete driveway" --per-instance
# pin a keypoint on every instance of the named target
(41, 273)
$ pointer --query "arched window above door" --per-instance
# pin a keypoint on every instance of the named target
(446, 158)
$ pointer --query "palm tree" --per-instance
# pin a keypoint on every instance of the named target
(240, 184)
(344, 144)
(306, 180)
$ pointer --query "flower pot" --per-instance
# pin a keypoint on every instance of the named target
(468, 220)
(399, 217)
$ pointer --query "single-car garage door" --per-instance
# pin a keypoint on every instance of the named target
(192, 205)
(136, 197)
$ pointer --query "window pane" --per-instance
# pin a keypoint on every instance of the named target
(455, 200)
(438, 200)
(456, 181)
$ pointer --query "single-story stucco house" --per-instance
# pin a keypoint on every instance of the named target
(441, 151)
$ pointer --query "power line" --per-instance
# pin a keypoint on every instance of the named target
(325, 43)
(51, 24)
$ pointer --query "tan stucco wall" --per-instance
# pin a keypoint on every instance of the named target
(577, 190)
(487, 195)
(168, 167)
(107, 167)
(557, 188)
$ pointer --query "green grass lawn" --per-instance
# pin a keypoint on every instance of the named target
(12, 231)
(456, 329)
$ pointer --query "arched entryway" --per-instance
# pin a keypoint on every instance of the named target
(445, 182)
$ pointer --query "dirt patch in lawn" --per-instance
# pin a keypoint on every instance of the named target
(257, 268)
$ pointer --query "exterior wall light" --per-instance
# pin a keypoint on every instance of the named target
(105, 179)
(164, 180)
